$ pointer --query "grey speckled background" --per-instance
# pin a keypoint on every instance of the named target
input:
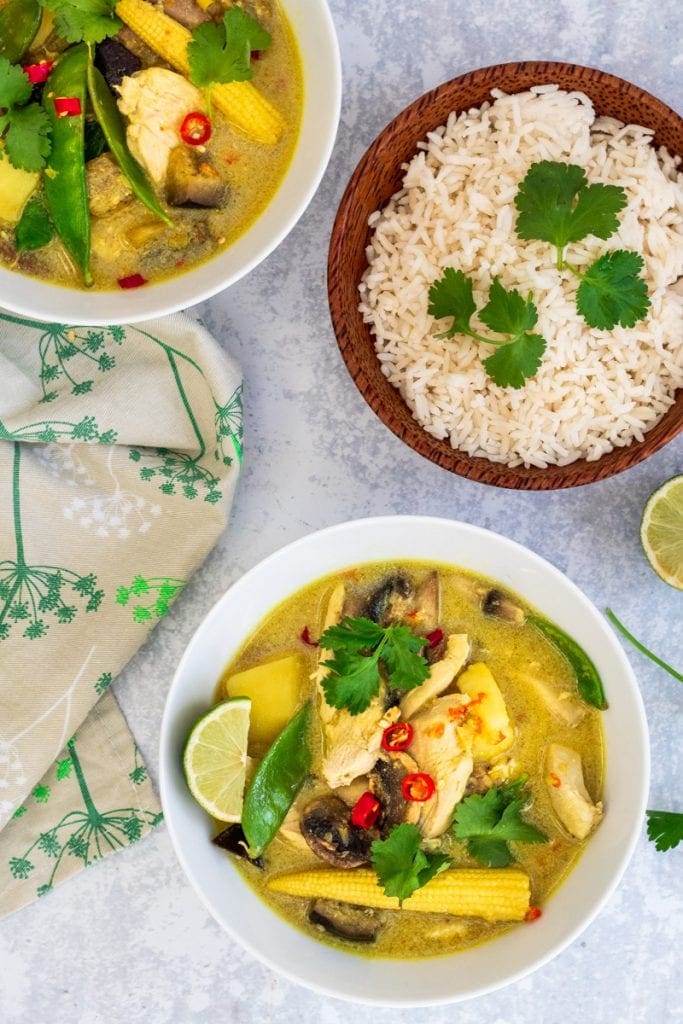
(129, 941)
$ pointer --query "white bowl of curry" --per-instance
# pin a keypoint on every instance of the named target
(535, 678)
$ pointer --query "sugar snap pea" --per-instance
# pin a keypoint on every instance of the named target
(276, 783)
(587, 676)
(19, 22)
(111, 123)
(65, 188)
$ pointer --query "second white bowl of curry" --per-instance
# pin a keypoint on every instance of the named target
(528, 701)
(229, 201)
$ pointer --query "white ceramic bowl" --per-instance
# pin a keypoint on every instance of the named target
(419, 982)
(314, 30)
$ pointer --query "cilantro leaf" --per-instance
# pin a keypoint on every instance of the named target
(512, 364)
(488, 822)
(451, 295)
(401, 866)
(358, 645)
(15, 87)
(222, 52)
(88, 21)
(665, 829)
(507, 312)
(557, 205)
(612, 292)
(34, 229)
(27, 140)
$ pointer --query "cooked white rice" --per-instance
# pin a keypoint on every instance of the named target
(595, 389)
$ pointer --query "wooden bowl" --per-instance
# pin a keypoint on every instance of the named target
(379, 175)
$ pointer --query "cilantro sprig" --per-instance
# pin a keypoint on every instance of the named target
(24, 126)
(401, 865)
(222, 52)
(358, 646)
(557, 205)
(665, 829)
(488, 822)
(519, 350)
(88, 21)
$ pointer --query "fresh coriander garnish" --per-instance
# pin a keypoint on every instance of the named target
(557, 205)
(401, 866)
(519, 352)
(222, 52)
(88, 21)
(665, 829)
(24, 126)
(488, 822)
(358, 646)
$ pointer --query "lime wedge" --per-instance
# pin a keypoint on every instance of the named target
(661, 531)
(215, 758)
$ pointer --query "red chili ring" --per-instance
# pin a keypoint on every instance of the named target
(397, 736)
(418, 787)
(195, 129)
(366, 811)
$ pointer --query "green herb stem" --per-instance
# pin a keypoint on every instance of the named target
(574, 271)
(641, 647)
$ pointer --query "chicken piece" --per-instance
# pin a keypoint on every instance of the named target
(562, 704)
(156, 102)
(351, 743)
(442, 749)
(187, 12)
(441, 675)
(192, 181)
(107, 187)
(568, 794)
(487, 717)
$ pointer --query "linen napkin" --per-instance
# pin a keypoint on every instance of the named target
(120, 450)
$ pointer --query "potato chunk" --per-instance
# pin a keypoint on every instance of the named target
(568, 794)
(487, 714)
(274, 689)
(16, 188)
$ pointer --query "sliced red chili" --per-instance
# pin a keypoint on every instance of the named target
(38, 73)
(397, 736)
(533, 914)
(195, 129)
(435, 637)
(418, 787)
(132, 281)
(67, 106)
(555, 780)
(366, 811)
(305, 638)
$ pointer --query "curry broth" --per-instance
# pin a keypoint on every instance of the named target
(132, 240)
(510, 652)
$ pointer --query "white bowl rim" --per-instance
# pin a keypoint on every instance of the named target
(72, 305)
(641, 751)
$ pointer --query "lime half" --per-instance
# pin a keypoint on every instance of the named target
(661, 531)
(215, 758)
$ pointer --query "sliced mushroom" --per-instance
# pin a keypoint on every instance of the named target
(346, 921)
(500, 606)
(115, 61)
(428, 604)
(234, 841)
(385, 781)
(327, 828)
(391, 600)
(187, 12)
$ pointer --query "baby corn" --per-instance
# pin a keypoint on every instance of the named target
(240, 102)
(491, 893)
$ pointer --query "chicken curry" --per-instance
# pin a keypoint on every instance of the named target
(424, 763)
(139, 140)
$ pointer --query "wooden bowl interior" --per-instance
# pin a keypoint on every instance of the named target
(379, 175)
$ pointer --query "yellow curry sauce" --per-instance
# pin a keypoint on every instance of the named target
(131, 240)
(511, 652)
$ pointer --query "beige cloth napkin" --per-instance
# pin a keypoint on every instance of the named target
(120, 450)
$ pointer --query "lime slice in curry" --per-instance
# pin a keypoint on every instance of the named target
(215, 758)
(661, 531)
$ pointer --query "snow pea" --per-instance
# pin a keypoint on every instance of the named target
(587, 676)
(111, 123)
(64, 183)
(276, 783)
(19, 22)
